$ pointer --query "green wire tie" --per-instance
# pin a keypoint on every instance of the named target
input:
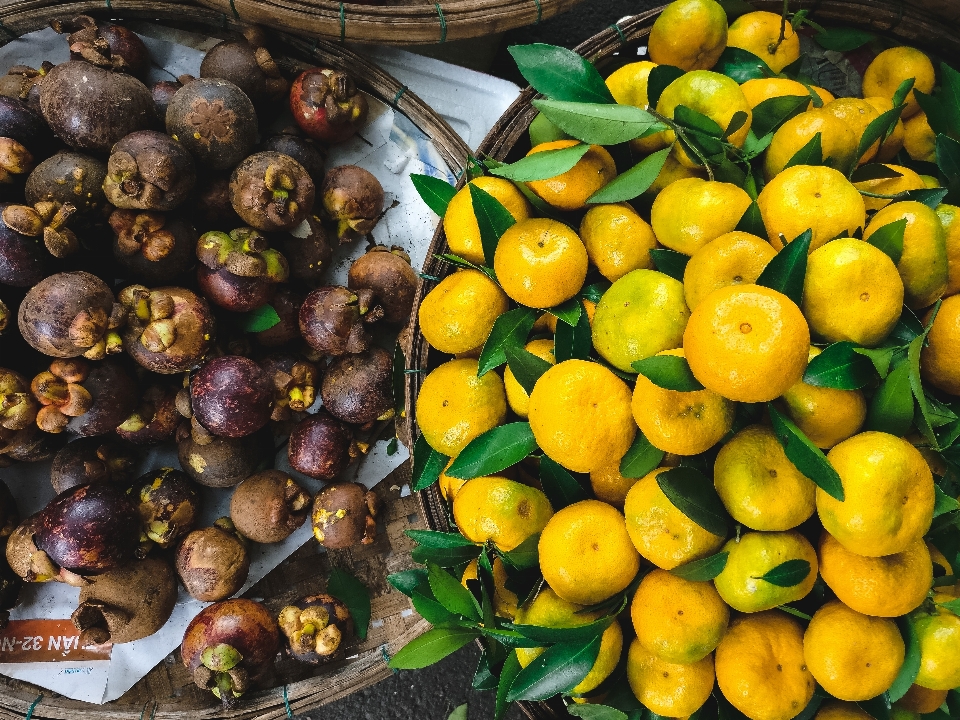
(400, 92)
(539, 12)
(234, 9)
(386, 658)
(32, 707)
(443, 23)
(623, 38)
(286, 702)
(152, 712)
(109, 4)
(343, 22)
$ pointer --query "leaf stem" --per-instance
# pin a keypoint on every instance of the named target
(681, 133)
(897, 196)
(783, 29)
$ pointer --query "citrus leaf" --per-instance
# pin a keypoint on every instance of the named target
(840, 366)
(669, 372)
(694, 495)
(427, 465)
(451, 594)
(785, 273)
(951, 605)
(931, 197)
(773, 112)
(461, 263)
(877, 129)
(754, 145)
(907, 328)
(944, 503)
(459, 713)
(406, 581)
(889, 239)
(843, 39)
(922, 418)
(599, 124)
(657, 81)
(568, 311)
(950, 96)
(436, 193)
(560, 73)
(483, 678)
(525, 366)
(263, 318)
(641, 458)
(911, 661)
(804, 455)
(787, 574)
(891, 408)
(551, 635)
(702, 570)
(431, 647)
(559, 669)
(429, 609)
(809, 154)
(573, 343)
(670, 262)
(493, 219)
(525, 555)
(933, 108)
(595, 291)
(509, 638)
(355, 595)
(511, 668)
(596, 712)
(903, 89)
(740, 65)
(495, 450)
(634, 182)
(560, 487)
(874, 171)
(752, 222)
(694, 120)
(542, 165)
(877, 707)
(510, 329)
(738, 120)
(880, 357)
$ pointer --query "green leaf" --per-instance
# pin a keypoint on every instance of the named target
(903, 89)
(754, 145)
(773, 112)
(599, 124)
(542, 165)
(891, 408)
(559, 669)
(787, 574)
(634, 182)
(809, 154)
(950, 97)
(511, 668)
(509, 638)
(936, 113)
(407, 581)
(263, 318)
(951, 605)
(551, 635)
(560, 487)
(785, 273)
(589, 711)
(922, 418)
(694, 495)
(437, 539)
(509, 330)
(495, 450)
(843, 39)
(560, 74)
(702, 570)
(669, 372)
(431, 647)
(670, 262)
(906, 329)
(436, 193)
(889, 238)
(931, 197)
(459, 713)
(880, 357)
(573, 343)
(427, 465)
(595, 291)
(944, 503)
(878, 707)
(525, 555)
(738, 120)
(483, 678)
(446, 557)
(804, 455)
(451, 594)
(493, 219)
(741, 65)
(660, 77)
(840, 366)
(752, 222)
(874, 171)
(878, 129)
(693, 120)
(430, 610)
(568, 311)
(911, 661)
(526, 367)
(948, 159)
(355, 595)
(641, 458)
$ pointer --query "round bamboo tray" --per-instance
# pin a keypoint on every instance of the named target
(167, 692)
(403, 22)
(508, 141)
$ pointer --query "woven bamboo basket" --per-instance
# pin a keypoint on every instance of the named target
(508, 140)
(167, 692)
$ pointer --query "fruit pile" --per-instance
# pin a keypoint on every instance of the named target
(718, 471)
(163, 278)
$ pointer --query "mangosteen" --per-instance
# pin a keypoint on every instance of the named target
(213, 562)
(294, 384)
(25, 124)
(67, 314)
(316, 629)
(211, 208)
(30, 444)
(222, 462)
(250, 68)
(23, 261)
(91, 108)
(46, 219)
(286, 303)
(239, 270)
(332, 320)
(85, 398)
(153, 246)
(359, 388)
(18, 409)
(70, 177)
(344, 514)
(231, 396)
(214, 120)
(389, 275)
(105, 45)
(26, 560)
(163, 92)
(15, 161)
(91, 460)
(308, 251)
(149, 170)
(168, 505)
(126, 604)
(23, 83)
(230, 645)
(327, 105)
(310, 155)
(271, 191)
(353, 198)
(168, 330)
(269, 506)
(155, 418)
(322, 446)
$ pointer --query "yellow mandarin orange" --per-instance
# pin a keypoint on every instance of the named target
(628, 85)
(609, 485)
(858, 114)
(939, 363)
(504, 601)
(893, 144)
(672, 171)
(760, 89)
(837, 141)
(548, 321)
(617, 240)
(894, 65)
(460, 221)
(908, 180)
(517, 397)
(839, 710)
(689, 34)
(449, 486)
(766, 35)
(736, 258)
(922, 700)
(502, 511)
(666, 688)
(689, 213)
(919, 139)
(950, 221)
(459, 313)
(938, 633)
(570, 190)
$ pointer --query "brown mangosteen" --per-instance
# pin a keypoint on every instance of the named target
(213, 562)
(271, 191)
(322, 446)
(316, 629)
(353, 198)
(168, 505)
(238, 271)
(221, 462)
(127, 603)
(286, 303)
(23, 83)
(67, 314)
(388, 273)
(70, 177)
(47, 220)
(327, 105)
(168, 330)
(250, 68)
(231, 396)
(269, 506)
(229, 646)
(91, 108)
(90, 460)
(215, 121)
(308, 251)
(359, 388)
(23, 261)
(153, 246)
(18, 409)
(85, 398)
(294, 384)
(30, 444)
(332, 322)
(310, 155)
(163, 92)
(27, 561)
(15, 161)
(155, 419)
(105, 45)
(25, 124)
(211, 208)
(149, 170)
(344, 514)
